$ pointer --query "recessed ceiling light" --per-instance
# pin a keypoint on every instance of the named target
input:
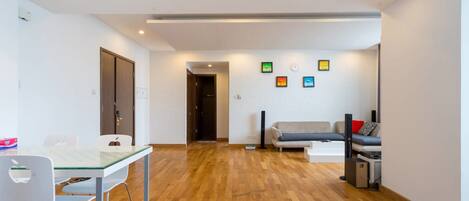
(210, 65)
(141, 32)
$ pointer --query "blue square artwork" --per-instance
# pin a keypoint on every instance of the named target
(308, 82)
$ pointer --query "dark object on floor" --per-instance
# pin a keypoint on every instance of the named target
(357, 172)
(348, 142)
(262, 130)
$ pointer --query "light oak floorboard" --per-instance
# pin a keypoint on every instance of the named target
(219, 172)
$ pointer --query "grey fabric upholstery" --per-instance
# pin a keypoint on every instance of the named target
(304, 127)
(366, 140)
(280, 128)
(311, 137)
(339, 127)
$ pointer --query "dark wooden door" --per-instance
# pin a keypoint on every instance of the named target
(206, 107)
(191, 107)
(117, 94)
(108, 63)
(124, 97)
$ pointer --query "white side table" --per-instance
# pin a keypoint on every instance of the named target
(325, 152)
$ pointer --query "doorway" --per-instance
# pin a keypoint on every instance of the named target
(117, 94)
(201, 107)
(206, 98)
(216, 98)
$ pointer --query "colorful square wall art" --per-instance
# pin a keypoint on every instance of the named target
(267, 67)
(323, 65)
(281, 81)
(308, 82)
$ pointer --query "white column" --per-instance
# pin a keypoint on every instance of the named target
(8, 68)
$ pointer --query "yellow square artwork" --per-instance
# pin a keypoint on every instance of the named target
(323, 65)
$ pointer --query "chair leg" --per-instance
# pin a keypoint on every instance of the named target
(128, 192)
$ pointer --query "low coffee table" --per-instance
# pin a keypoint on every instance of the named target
(325, 152)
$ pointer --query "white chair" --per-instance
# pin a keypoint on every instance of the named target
(88, 187)
(61, 141)
(38, 186)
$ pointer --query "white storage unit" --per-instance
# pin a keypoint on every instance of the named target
(374, 168)
(325, 152)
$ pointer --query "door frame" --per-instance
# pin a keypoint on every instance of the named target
(216, 102)
(190, 106)
(101, 49)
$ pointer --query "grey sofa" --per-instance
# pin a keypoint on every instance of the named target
(362, 143)
(301, 134)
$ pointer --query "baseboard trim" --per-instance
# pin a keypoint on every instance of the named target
(388, 192)
(222, 139)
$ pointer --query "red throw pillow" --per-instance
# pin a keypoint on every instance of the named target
(356, 125)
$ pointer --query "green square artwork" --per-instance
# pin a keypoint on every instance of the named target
(267, 67)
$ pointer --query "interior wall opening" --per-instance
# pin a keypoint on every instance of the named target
(207, 105)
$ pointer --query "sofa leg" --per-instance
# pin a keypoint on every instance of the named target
(280, 149)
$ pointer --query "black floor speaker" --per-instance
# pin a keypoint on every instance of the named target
(262, 130)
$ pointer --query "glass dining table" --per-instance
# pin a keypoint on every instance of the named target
(97, 162)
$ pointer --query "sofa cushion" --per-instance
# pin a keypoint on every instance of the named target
(339, 127)
(311, 137)
(304, 127)
(376, 131)
(366, 140)
(367, 128)
(357, 125)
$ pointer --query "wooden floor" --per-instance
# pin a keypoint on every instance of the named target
(221, 172)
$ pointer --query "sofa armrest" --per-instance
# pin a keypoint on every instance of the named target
(276, 133)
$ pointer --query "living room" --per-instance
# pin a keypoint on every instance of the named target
(298, 61)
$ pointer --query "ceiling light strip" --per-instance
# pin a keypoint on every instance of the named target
(265, 18)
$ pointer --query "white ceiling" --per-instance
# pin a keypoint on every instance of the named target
(209, 6)
(215, 64)
(129, 16)
(223, 36)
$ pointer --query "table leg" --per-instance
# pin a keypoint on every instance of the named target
(99, 189)
(146, 178)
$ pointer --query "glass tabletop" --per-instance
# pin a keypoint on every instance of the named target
(80, 157)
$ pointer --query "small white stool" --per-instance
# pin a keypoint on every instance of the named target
(325, 152)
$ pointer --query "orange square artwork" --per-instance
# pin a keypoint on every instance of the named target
(281, 81)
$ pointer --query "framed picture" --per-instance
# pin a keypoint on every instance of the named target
(267, 67)
(281, 81)
(323, 65)
(308, 82)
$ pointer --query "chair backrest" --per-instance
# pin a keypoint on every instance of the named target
(40, 185)
(61, 140)
(115, 140)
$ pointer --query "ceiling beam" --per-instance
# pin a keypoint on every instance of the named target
(263, 18)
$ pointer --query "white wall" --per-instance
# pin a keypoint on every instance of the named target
(59, 72)
(8, 68)
(350, 86)
(223, 90)
(465, 102)
(421, 99)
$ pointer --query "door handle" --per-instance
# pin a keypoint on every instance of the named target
(118, 117)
